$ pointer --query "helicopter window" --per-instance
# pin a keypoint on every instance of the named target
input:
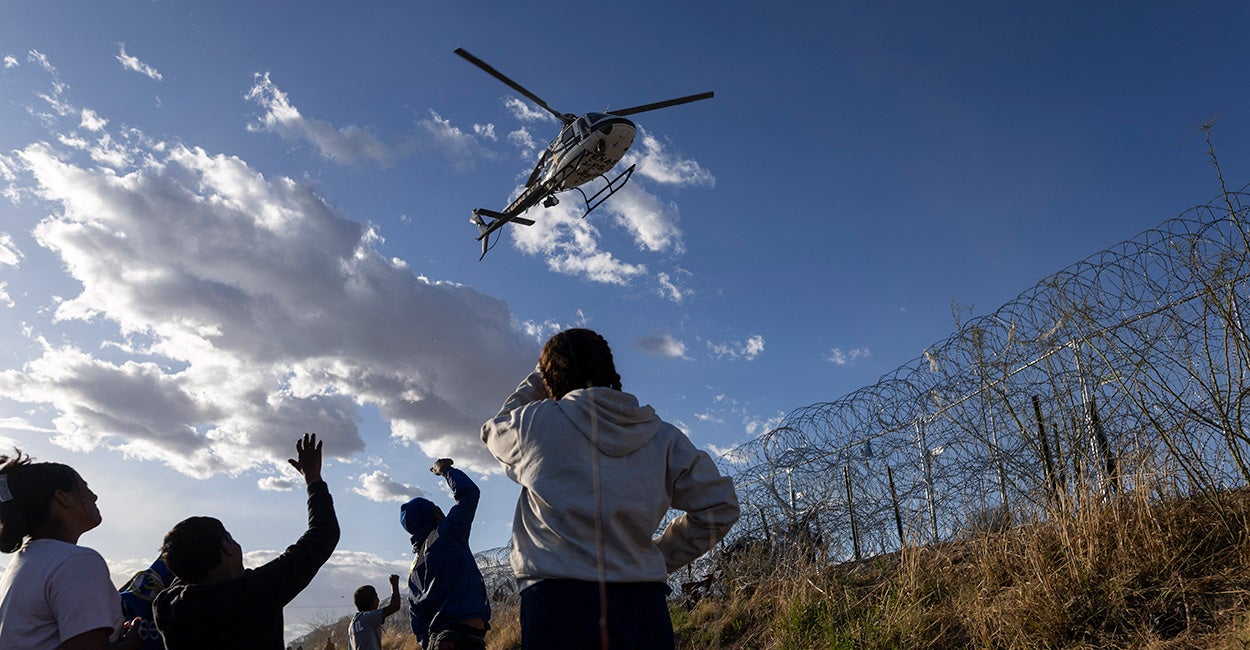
(568, 134)
(595, 117)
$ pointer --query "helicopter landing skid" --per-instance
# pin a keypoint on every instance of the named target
(613, 186)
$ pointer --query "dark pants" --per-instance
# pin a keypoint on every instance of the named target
(458, 637)
(564, 614)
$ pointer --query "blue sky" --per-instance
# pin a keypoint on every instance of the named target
(224, 224)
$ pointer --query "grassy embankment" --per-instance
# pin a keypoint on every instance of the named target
(1133, 574)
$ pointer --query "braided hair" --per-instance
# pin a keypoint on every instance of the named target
(577, 358)
(30, 486)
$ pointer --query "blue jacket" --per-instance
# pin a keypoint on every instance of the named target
(444, 582)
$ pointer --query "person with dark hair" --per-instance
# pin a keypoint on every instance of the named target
(365, 631)
(216, 603)
(598, 473)
(54, 593)
(447, 598)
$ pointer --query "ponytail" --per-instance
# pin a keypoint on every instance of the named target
(26, 490)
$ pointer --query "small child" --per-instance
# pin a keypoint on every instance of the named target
(448, 597)
(365, 632)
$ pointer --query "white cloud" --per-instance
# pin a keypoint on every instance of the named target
(524, 141)
(663, 345)
(526, 112)
(651, 222)
(379, 486)
(349, 144)
(20, 424)
(838, 357)
(35, 56)
(10, 255)
(133, 63)
(91, 121)
(461, 148)
(658, 164)
(540, 332)
(5, 298)
(570, 245)
(485, 131)
(277, 484)
(732, 455)
(748, 350)
(755, 426)
(248, 308)
(669, 287)
(10, 61)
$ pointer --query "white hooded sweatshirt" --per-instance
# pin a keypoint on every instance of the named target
(598, 473)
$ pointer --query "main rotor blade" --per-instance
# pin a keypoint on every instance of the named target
(504, 78)
(665, 104)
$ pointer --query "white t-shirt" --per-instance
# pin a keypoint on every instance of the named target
(53, 591)
(366, 630)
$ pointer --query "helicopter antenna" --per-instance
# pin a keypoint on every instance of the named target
(509, 82)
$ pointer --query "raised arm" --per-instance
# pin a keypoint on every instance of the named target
(501, 432)
(459, 518)
(392, 605)
(290, 572)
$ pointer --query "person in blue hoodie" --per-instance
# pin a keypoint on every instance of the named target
(448, 601)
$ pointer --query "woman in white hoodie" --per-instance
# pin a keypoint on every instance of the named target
(598, 472)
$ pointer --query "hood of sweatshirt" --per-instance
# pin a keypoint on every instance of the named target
(183, 608)
(611, 420)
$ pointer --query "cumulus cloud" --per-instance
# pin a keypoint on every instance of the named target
(349, 144)
(19, 424)
(10, 61)
(133, 63)
(524, 141)
(379, 486)
(839, 357)
(460, 147)
(570, 245)
(657, 163)
(747, 350)
(527, 112)
(277, 484)
(734, 456)
(10, 255)
(246, 308)
(91, 121)
(540, 332)
(663, 345)
(670, 289)
(485, 131)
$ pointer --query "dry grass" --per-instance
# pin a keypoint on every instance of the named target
(1131, 574)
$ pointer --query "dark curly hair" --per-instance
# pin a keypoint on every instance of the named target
(192, 548)
(365, 597)
(32, 486)
(577, 358)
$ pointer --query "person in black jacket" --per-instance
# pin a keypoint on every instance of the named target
(216, 603)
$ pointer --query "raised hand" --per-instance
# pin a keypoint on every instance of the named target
(308, 453)
(441, 466)
(394, 582)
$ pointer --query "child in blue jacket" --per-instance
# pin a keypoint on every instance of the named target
(448, 597)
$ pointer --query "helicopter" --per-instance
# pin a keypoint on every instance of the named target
(587, 147)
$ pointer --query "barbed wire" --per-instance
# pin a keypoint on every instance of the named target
(1128, 367)
(1121, 368)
